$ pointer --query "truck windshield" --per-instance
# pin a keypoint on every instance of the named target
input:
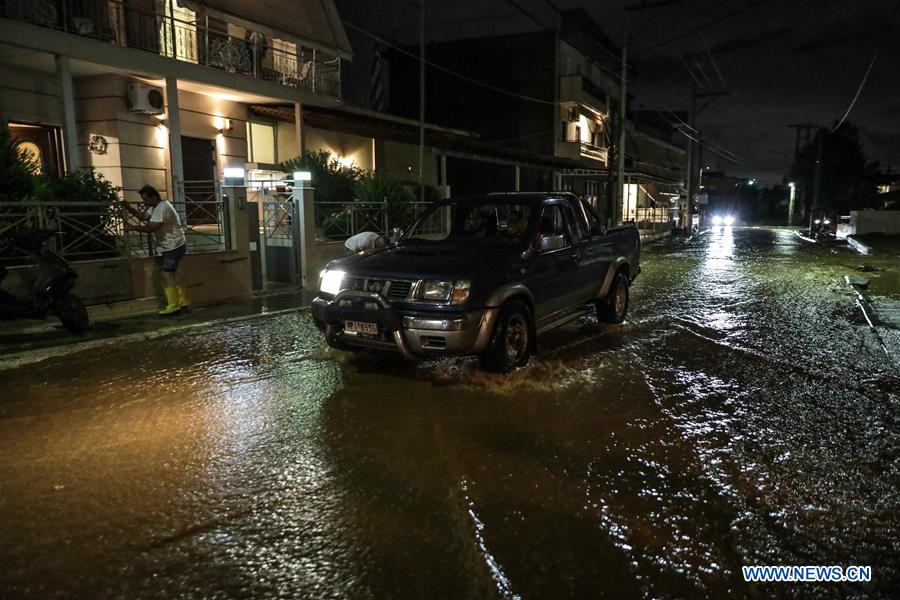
(472, 221)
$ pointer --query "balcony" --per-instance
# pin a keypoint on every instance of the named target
(210, 43)
(581, 150)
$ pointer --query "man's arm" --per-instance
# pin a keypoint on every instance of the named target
(138, 214)
(151, 227)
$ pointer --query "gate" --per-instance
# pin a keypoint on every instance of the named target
(279, 231)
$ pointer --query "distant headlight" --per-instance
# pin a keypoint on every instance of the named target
(729, 220)
(331, 281)
(717, 220)
(453, 292)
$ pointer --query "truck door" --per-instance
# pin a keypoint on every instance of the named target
(595, 248)
(553, 276)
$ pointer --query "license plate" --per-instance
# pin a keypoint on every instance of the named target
(361, 327)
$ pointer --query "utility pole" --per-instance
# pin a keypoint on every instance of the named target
(692, 135)
(623, 101)
(817, 183)
(620, 153)
(421, 101)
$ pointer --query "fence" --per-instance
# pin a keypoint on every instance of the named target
(85, 230)
(654, 219)
(123, 24)
(94, 230)
(340, 220)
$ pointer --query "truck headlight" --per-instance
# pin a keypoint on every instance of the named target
(437, 291)
(452, 292)
(330, 282)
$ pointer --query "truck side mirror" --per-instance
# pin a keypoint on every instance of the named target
(552, 242)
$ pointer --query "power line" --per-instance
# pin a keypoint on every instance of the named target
(713, 60)
(531, 16)
(868, 71)
(705, 25)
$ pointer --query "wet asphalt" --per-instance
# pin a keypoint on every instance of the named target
(745, 414)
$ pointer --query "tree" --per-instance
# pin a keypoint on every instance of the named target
(847, 180)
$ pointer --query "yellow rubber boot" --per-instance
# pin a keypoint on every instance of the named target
(183, 297)
(173, 301)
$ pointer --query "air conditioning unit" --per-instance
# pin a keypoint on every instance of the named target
(145, 99)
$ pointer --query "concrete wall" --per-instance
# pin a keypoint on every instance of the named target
(875, 221)
(357, 149)
(403, 161)
(28, 95)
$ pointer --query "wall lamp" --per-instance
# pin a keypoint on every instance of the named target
(226, 126)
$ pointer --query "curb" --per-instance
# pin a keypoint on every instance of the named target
(28, 357)
(858, 246)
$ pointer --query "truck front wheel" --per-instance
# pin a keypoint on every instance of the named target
(512, 343)
(614, 307)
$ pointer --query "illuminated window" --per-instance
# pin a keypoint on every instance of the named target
(183, 21)
(31, 152)
(261, 143)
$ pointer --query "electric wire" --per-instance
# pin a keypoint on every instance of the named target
(865, 78)
(700, 27)
(449, 71)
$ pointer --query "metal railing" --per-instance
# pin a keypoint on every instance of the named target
(124, 25)
(340, 220)
(204, 217)
(94, 230)
(84, 230)
(653, 219)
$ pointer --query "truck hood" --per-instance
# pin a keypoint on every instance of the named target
(430, 261)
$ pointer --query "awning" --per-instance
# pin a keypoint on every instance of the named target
(312, 23)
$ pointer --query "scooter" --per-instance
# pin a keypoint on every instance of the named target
(50, 289)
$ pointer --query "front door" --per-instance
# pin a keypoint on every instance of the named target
(199, 165)
(41, 143)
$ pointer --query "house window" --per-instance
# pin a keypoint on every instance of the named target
(261, 143)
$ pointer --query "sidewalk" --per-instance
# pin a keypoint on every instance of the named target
(22, 342)
(882, 261)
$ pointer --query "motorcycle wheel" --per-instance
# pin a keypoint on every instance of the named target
(72, 313)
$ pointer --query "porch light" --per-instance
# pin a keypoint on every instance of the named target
(302, 176)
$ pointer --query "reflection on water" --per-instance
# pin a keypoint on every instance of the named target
(742, 415)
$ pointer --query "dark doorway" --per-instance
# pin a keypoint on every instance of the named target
(40, 142)
(198, 158)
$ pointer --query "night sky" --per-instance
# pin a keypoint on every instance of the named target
(784, 61)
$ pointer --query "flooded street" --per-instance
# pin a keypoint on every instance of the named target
(745, 414)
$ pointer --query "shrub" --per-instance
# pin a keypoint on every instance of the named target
(17, 172)
(380, 186)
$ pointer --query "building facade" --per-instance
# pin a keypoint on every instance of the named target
(157, 92)
(556, 94)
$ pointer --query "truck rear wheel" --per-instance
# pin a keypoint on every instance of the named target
(512, 343)
(614, 307)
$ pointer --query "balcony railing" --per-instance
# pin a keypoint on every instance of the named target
(115, 22)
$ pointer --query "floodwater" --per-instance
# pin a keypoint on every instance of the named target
(745, 414)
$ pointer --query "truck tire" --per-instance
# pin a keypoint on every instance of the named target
(614, 307)
(72, 314)
(512, 343)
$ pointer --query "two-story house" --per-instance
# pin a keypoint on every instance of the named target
(157, 92)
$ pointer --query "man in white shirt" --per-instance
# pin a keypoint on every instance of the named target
(162, 221)
(365, 240)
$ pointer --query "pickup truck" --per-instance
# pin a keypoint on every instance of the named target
(483, 276)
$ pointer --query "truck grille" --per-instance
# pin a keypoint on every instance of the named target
(392, 289)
